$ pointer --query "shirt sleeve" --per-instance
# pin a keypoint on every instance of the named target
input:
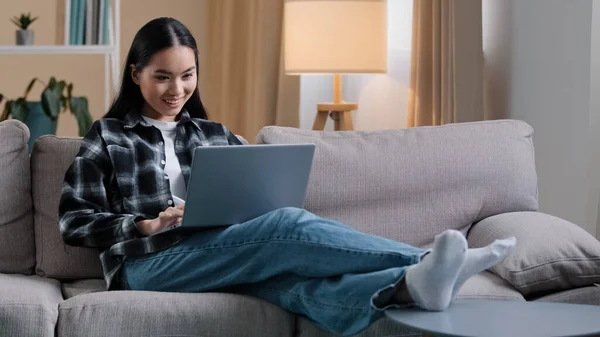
(85, 215)
(233, 139)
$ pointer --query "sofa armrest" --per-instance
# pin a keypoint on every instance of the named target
(551, 255)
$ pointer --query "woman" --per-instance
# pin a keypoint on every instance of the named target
(124, 185)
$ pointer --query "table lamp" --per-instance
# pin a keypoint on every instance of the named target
(335, 37)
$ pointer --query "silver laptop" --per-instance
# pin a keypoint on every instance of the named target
(233, 184)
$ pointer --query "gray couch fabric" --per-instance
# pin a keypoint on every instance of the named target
(551, 254)
(79, 287)
(50, 158)
(28, 305)
(17, 247)
(406, 185)
(410, 185)
(488, 286)
(585, 295)
(140, 313)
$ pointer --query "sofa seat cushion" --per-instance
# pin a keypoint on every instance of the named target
(142, 313)
(17, 246)
(80, 287)
(488, 286)
(584, 295)
(382, 327)
(28, 305)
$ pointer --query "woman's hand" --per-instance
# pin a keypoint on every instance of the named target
(166, 218)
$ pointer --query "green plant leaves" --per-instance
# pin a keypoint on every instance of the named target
(29, 86)
(23, 21)
(52, 98)
(66, 100)
(19, 109)
(79, 108)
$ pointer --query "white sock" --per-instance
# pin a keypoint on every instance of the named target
(430, 282)
(480, 259)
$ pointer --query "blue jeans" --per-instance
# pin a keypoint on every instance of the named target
(338, 277)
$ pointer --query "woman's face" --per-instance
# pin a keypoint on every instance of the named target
(167, 82)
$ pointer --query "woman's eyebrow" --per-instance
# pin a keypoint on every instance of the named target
(162, 71)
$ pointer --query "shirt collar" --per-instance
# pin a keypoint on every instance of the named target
(134, 118)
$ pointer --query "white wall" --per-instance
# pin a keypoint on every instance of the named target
(382, 98)
(538, 70)
(594, 128)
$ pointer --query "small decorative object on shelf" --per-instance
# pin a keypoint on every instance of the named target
(24, 35)
(41, 116)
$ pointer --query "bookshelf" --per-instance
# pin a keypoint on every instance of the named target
(110, 50)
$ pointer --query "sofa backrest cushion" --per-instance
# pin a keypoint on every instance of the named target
(17, 247)
(50, 159)
(411, 184)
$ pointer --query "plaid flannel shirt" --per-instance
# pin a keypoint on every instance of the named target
(118, 179)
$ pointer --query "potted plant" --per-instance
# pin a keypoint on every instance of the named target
(41, 116)
(24, 35)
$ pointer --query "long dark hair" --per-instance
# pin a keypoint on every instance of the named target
(154, 36)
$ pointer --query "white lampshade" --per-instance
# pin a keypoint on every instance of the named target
(335, 36)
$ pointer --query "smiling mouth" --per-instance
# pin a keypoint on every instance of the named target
(172, 101)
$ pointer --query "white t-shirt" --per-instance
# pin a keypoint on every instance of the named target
(171, 166)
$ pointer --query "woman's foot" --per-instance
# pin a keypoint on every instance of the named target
(480, 259)
(430, 283)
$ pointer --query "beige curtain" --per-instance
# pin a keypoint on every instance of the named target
(446, 82)
(243, 85)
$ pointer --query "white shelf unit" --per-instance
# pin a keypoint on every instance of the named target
(110, 51)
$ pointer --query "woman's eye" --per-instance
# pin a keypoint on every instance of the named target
(187, 75)
(162, 78)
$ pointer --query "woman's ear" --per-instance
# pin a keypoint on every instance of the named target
(134, 74)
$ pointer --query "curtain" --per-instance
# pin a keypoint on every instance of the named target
(243, 85)
(446, 80)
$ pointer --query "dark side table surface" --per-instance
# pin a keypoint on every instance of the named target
(495, 318)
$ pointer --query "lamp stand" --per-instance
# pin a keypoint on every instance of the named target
(340, 112)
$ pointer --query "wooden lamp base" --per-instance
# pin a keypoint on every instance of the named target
(341, 113)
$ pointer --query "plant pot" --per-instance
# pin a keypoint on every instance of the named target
(24, 37)
(39, 123)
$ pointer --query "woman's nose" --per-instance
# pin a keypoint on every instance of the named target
(176, 88)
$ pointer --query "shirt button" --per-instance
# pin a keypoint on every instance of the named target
(162, 162)
(170, 202)
(160, 143)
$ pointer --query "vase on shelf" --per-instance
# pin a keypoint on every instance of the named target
(24, 37)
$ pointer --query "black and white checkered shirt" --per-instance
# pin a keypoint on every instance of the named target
(118, 179)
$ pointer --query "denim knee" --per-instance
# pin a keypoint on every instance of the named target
(288, 217)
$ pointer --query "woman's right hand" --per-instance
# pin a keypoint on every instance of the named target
(166, 218)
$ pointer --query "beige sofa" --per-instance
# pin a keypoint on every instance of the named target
(406, 185)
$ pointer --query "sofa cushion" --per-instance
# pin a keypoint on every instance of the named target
(141, 313)
(551, 255)
(50, 158)
(488, 286)
(28, 305)
(410, 185)
(585, 295)
(382, 327)
(17, 247)
(80, 287)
